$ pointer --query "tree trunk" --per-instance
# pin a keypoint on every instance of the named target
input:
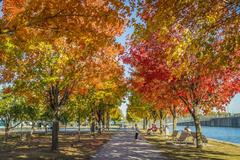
(108, 120)
(144, 123)
(174, 123)
(46, 129)
(6, 134)
(161, 121)
(174, 117)
(99, 114)
(197, 122)
(103, 122)
(154, 121)
(99, 127)
(79, 129)
(21, 132)
(55, 130)
(65, 128)
(161, 126)
(56, 100)
(93, 124)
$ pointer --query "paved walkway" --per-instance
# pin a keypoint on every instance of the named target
(123, 147)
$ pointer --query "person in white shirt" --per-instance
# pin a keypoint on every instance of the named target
(187, 129)
(166, 130)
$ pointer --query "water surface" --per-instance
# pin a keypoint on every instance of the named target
(227, 134)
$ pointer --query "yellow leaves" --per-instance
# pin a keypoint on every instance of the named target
(44, 47)
(93, 23)
(211, 19)
(67, 44)
(88, 41)
(9, 45)
(116, 113)
(182, 69)
(164, 30)
(180, 57)
(50, 80)
(179, 52)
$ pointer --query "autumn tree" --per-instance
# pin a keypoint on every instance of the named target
(80, 108)
(116, 114)
(192, 44)
(107, 88)
(140, 109)
(66, 116)
(65, 34)
(33, 114)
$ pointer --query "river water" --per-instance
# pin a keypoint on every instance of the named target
(220, 133)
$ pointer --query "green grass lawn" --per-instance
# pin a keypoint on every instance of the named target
(40, 147)
(213, 150)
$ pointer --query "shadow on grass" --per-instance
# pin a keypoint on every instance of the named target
(40, 147)
(187, 152)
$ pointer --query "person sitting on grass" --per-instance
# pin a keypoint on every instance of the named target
(152, 129)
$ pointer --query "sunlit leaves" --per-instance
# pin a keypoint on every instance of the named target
(185, 50)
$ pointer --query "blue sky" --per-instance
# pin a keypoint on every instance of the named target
(234, 106)
(123, 39)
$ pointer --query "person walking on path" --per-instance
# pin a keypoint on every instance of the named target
(136, 132)
(166, 130)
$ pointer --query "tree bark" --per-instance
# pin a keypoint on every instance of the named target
(174, 123)
(103, 122)
(99, 114)
(154, 116)
(55, 130)
(21, 137)
(93, 124)
(46, 129)
(161, 121)
(195, 112)
(161, 126)
(174, 117)
(144, 123)
(56, 100)
(79, 128)
(197, 122)
(99, 127)
(65, 128)
(6, 134)
(108, 120)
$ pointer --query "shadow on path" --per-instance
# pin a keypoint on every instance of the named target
(123, 147)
